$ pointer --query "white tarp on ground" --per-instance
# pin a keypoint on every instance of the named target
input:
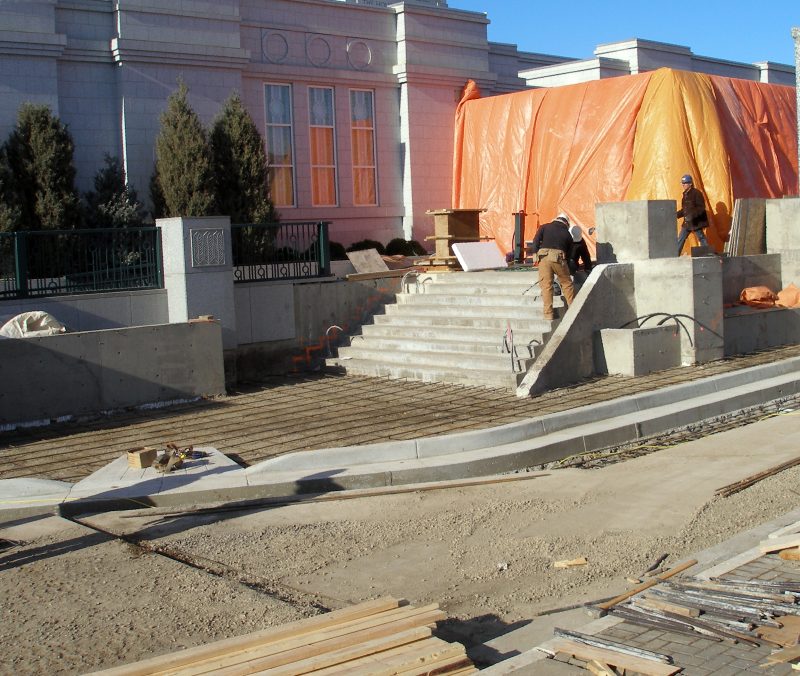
(30, 324)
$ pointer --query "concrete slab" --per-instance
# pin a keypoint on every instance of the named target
(26, 493)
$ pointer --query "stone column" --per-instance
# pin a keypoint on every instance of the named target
(198, 271)
(796, 36)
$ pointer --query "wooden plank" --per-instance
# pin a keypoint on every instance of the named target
(351, 653)
(787, 636)
(782, 656)
(394, 660)
(776, 544)
(792, 554)
(570, 563)
(786, 530)
(611, 657)
(277, 655)
(361, 276)
(165, 663)
(600, 668)
(367, 260)
(658, 604)
(646, 585)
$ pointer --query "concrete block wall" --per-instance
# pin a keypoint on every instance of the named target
(637, 352)
(635, 231)
(740, 272)
(83, 373)
(783, 236)
(690, 289)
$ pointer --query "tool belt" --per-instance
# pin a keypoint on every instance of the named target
(552, 255)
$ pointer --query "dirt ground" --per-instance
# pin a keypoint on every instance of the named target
(76, 600)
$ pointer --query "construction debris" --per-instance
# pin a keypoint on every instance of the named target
(571, 563)
(382, 636)
(730, 489)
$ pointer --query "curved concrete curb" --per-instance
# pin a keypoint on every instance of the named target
(548, 438)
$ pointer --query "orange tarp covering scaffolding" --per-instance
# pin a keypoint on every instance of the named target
(567, 148)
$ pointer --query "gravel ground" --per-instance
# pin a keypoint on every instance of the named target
(79, 600)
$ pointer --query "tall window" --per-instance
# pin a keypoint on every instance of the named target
(362, 127)
(323, 146)
(280, 151)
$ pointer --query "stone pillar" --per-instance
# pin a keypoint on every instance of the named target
(634, 231)
(796, 36)
(198, 271)
(783, 237)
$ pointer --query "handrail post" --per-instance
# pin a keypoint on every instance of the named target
(324, 249)
(159, 260)
(21, 263)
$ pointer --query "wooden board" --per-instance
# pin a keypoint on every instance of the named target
(792, 554)
(611, 658)
(367, 260)
(382, 636)
(776, 544)
(787, 636)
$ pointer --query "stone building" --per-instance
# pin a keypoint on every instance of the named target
(355, 98)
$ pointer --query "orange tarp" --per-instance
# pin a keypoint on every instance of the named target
(626, 138)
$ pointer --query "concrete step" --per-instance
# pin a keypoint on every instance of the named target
(532, 323)
(483, 299)
(458, 376)
(502, 278)
(440, 343)
(538, 331)
(503, 312)
(420, 359)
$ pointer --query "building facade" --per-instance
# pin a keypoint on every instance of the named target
(355, 98)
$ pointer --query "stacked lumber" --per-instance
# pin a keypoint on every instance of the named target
(385, 636)
(747, 235)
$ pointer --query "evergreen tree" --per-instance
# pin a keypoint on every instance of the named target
(183, 160)
(157, 196)
(39, 153)
(112, 204)
(240, 166)
(9, 211)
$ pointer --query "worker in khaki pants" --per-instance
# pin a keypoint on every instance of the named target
(551, 246)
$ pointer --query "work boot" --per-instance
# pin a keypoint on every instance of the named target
(549, 317)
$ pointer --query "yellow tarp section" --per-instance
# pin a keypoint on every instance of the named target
(627, 138)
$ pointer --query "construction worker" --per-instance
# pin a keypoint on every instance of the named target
(693, 212)
(551, 246)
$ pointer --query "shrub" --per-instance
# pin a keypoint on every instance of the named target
(183, 160)
(338, 252)
(9, 211)
(367, 244)
(403, 247)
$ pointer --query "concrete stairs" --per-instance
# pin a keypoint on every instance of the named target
(450, 327)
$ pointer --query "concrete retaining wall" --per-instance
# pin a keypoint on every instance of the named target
(88, 372)
(748, 329)
(288, 324)
(742, 271)
(96, 311)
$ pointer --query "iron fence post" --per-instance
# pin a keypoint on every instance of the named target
(519, 236)
(324, 249)
(21, 263)
(159, 261)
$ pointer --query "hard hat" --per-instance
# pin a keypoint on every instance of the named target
(563, 217)
(687, 179)
(576, 232)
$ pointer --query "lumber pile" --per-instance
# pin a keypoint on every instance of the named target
(747, 235)
(385, 636)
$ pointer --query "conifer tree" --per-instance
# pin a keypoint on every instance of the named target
(9, 211)
(112, 204)
(183, 160)
(240, 166)
(40, 156)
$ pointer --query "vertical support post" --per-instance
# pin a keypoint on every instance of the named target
(519, 236)
(21, 263)
(324, 244)
(159, 260)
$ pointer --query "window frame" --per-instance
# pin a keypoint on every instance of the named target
(290, 125)
(332, 127)
(374, 165)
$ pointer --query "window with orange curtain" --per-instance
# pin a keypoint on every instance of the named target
(279, 143)
(362, 129)
(323, 146)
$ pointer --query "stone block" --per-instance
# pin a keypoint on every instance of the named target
(632, 231)
(639, 351)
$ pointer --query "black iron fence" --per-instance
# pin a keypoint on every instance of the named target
(266, 251)
(57, 262)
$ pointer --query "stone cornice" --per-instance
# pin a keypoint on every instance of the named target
(50, 45)
(442, 76)
(95, 51)
(144, 51)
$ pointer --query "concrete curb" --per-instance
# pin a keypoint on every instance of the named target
(464, 455)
